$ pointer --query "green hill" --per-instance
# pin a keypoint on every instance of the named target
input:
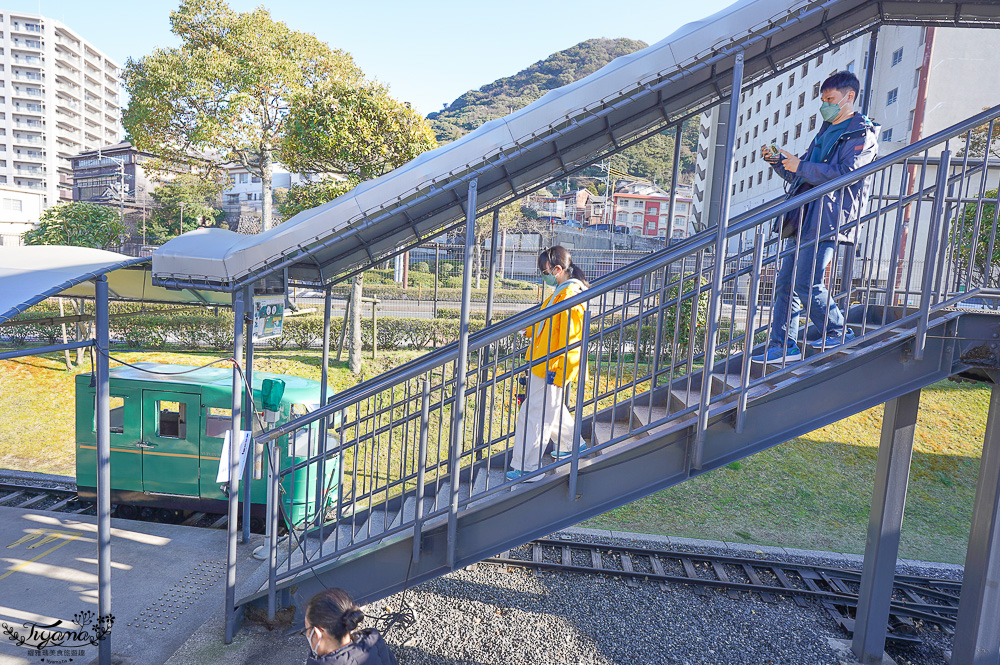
(650, 159)
(499, 98)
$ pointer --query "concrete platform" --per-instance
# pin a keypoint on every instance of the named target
(166, 581)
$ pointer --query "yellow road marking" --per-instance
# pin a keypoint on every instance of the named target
(46, 540)
(46, 552)
(28, 537)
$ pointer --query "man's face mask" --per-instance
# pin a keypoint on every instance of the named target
(830, 110)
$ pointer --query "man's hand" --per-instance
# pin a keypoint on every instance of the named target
(790, 162)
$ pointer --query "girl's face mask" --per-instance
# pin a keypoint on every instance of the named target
(312, 649)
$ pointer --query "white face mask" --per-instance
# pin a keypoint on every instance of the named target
(312, 649)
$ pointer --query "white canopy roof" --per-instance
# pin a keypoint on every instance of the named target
(31, 274)
(572, 126)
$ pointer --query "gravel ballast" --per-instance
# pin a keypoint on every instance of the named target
(490, 614)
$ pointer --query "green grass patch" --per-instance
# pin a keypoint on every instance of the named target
(814, 492)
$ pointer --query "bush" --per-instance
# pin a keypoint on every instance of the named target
(421, 266)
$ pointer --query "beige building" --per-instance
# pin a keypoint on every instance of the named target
(60, 97)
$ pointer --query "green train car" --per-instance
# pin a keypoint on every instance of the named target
(167, 433)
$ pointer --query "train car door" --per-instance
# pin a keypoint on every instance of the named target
(171, 422)
(126, 455)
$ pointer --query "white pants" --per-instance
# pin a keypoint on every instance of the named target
(542, 416)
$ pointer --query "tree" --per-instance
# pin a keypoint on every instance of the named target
(188, 200)
(355, 130)
(223, 95)
(78, 224)
(984, 266)
(310, 195)
(982, 139)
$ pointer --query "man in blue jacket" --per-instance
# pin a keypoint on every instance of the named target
(847, 140)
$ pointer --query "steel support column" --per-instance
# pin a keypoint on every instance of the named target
(866, 103)
(977, 632)
(103, 424)
(458, 417)
(724, 172)
(491, 283)
(248, 410)
(234, 467)
(884, 521)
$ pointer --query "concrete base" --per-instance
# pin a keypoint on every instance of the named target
(846, 657)
(166, 580)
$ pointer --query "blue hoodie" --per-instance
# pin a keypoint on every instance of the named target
(856, 147)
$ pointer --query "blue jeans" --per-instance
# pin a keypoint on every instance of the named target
(823, 311)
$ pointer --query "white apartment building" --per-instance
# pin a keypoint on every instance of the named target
(925, 79)
(59, 96)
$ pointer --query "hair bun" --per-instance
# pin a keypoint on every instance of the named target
(352, 619)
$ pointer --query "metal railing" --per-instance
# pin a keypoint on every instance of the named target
(925, 242)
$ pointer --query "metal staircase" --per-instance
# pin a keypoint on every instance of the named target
(422, 449)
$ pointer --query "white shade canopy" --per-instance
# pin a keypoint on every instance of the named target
(632, 97)
(31, 274)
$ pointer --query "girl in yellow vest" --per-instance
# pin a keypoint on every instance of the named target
(543, 414)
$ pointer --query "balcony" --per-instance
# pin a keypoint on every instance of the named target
(28, 92)
(29, 156)
(36, 171)
(27, 108)
(23, 139)
(32, 124)
(27, 60)
(27, 44)
(68, 43)
(68, 103)
(27, 76)
(29, 184)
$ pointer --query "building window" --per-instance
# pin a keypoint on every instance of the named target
(758, 107)
(897, 57)
(887, 135)
(819, 59)
(755, 131)
(637, 218)
(734, 189)
(784, 139)
(765, 124)
(798, 130)
(760, 177)
(909, 126)
(744, 164)
(788, 109)
(892, 96)
(12, 204)
(255, 179)
(923, 35)
(777, 114)
(778, 91)
(791, 80)
(850, 66)
(768, 98)
(749, 112)
(815, 91)
(741, 185)
(622, 217)
(746, 137)
(805, 68)
(740, 123)
(770, 174)
(916, 77)
(232, 199)
(739, 140)
(812, 123)
(802, 100)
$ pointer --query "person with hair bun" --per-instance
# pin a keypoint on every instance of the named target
(332, 621)
(543, 414)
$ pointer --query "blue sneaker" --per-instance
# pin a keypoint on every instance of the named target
(831, 341)
(558, 454)
(775, 354)
(517, 474)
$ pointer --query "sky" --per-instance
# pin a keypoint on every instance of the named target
(428, 51)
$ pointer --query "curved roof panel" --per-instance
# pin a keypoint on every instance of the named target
(575, 125)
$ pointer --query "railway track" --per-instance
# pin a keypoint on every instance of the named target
(916, 601)
(65, 500)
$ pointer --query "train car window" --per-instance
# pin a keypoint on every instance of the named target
(117, 406)
(172, 420)
(218, 421)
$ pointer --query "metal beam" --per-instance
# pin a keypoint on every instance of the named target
(977, 638)
(457, 427)
(870, 70)
(234, 468)
(248, 410)
(899, 420)
(103, 465)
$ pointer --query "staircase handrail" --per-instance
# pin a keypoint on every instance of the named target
(620, 277)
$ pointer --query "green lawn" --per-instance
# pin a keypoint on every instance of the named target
(812, 492)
